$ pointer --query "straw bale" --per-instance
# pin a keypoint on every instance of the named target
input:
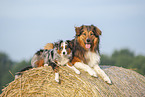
(39, 82)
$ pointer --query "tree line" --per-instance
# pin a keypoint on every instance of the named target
(125, 58)
(122, 58)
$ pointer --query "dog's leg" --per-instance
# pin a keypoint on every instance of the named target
(102, 74)
(34, 64)
(46, 60)
(73, 68)
(57, 77)
(55, 68)
(41, 63)
(85, 68)
(56, 74)
(78, 64)
(45, 65)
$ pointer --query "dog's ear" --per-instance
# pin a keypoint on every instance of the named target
(96, 30)
(79, 30)
(39, 52)
(70, 43)
(60, 41)
(56, 45)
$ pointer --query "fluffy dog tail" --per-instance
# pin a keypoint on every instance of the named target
(21, 71)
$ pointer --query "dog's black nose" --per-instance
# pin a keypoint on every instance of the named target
(63, 53)
(88, 40)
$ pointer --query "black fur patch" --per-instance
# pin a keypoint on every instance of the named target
(53, 65)
(24, 69)
(52, 53)
(58, 44)
(39, 52)
(69, 44)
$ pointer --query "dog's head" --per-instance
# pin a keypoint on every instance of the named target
(63, 48)
(88, 36)
(38, 53)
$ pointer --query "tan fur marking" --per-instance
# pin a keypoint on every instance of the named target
(56, 69)
(40, 63)
(68, 50)
(95, 43)
(49, 46)
(58, 51)
(82, 39)
(69, 64)
(98, 31)
(75, 59)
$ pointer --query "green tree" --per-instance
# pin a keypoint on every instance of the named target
(18, 66)
(8, 69)
(123, 58)
(139, 64)
(5, 66)
(106, 60)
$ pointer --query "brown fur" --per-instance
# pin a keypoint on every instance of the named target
(59, 51)
(82, 34)
(40, 63)
(49, 46)
(68, 50)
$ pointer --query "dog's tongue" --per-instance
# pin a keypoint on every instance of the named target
(88, 46)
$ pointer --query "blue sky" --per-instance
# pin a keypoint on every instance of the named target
(27, 25)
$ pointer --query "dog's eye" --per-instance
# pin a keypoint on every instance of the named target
(84, 33)
(66, 47)
(92, 33)
(60, 48)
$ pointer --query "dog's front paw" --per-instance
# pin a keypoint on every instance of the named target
(107, 80)
(45, 65)
(57, 77)
(57, 80)
(92, 73)
(77, 71)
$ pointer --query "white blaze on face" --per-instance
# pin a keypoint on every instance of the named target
(64, 52)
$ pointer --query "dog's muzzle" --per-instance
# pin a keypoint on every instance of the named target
(88, 43)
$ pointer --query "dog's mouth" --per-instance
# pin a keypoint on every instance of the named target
(88, 45)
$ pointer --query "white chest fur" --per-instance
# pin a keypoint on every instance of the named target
(63, 61)
(93, 58)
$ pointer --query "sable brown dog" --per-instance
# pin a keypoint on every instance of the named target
(86, 54)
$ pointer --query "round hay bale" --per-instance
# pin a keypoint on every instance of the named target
(39, 82)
